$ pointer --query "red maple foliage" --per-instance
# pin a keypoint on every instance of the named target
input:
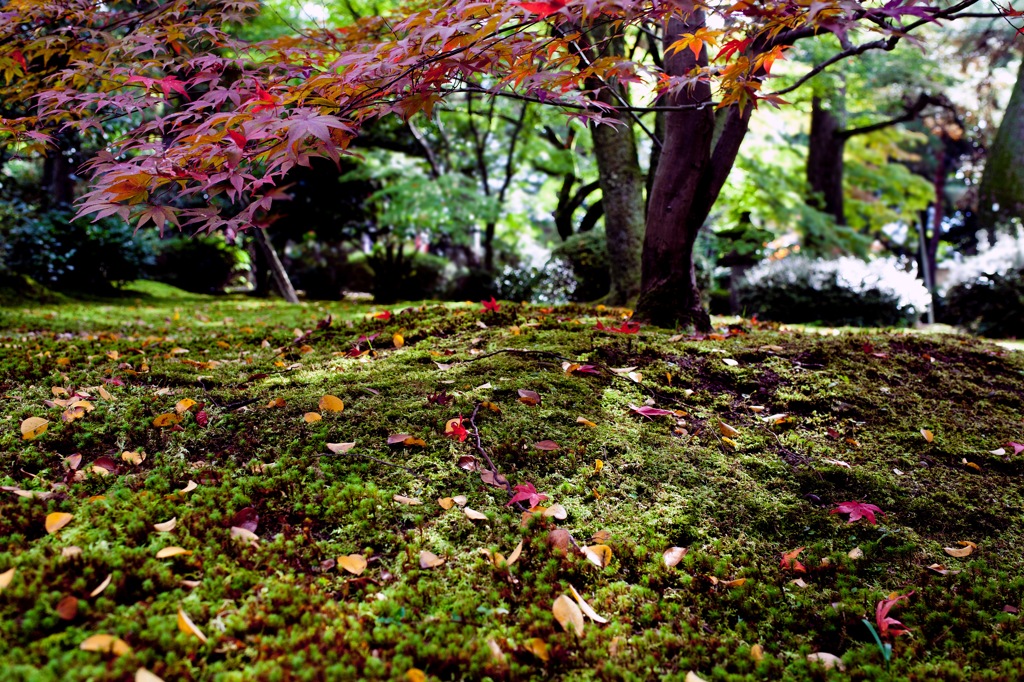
(858, 511)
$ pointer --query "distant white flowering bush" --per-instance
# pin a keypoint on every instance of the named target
(998, 257)
(843, 291)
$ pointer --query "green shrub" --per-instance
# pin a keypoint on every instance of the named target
(400, 274)
(991, 305)
(587, 254)
(844, 291)
(201, 264)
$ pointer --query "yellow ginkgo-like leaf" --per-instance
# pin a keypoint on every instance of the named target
(398, 340)
(184, 405)
(166, 419)
(186, 625)
(57, 520)
(353, 563)
(311, 417)
(331, 403)
(33, 427)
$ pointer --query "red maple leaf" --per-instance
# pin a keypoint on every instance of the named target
(543, 9)
(858, 511)
(265, 99)
(650, 412)
(491, 306)
(456, 430)
(627, 327)
(886, 624)
(20, 59)
(238, 138)
(527, 493)
(386, 315)
(789, 561)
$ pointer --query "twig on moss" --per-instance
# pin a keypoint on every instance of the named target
(490, 463)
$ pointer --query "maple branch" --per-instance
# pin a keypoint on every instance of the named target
(851, 52)
(910, 113)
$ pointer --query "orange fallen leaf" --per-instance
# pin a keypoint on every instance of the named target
(353, 563)
(33, 427)
(166, 419)
(599, 555)
(184, 405)
(928, 436)
(105, 643)
(586, 422)
(186, 625)
(446, 503)
(168, 552)
(67, 608)
(568, 614)
(331, 403)
(57, 520)
(528, 397)
(538, 647)
(102, 586)
(966, 549)
(311, 417)
(398, 340)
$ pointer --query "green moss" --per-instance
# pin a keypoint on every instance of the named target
(280, 608)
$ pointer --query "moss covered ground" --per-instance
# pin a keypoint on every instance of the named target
(810, 421)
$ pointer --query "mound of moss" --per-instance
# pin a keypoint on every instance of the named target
(297, 555)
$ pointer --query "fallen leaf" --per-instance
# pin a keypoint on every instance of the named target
(789, 561)
(546, 445)
(568, 614)
(105, 644)
(104, 393)
(398, 340)
(189, 487)
(166, 419)
(446, 503)
(460, 500)
(311, 417)
(730, 362)
(693, 677)
(467, 462)
(186, 625)
(673, 555)
(406, 439)
(429, 559)
(828, 661)
(493, 479)
(757, 653)
(586, 608)
(586, 422)
(239, 533)
(556, 511)
(775, 418)
(415, 675)
(33, 427)
(339, 448)
(57, 520)
(528, 397)
(599, 555)
(856, 553)
(942, 570)
(71, 552)
(143, 675)
(598, 465)
(857, 511)
(7, 576)
(474, 514)
(799, 582)
(966, 549)
(402, 499)
(538, 647)
(353, 563)
(927, 435)
(330, 403)
(67, 608)
(512, 558)
(184, 405)
(166, 526)
(135, 458)
(276, 402)
(168, 552)
(102, 586)
(727, 430)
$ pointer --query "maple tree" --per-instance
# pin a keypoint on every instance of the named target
(209, 115)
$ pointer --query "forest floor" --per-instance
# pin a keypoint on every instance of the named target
(195, 507)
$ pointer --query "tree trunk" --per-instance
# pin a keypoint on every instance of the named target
(1001, 194)
(284, 284)
(825, 162)
(688, 180)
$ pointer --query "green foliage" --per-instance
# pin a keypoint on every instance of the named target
(587, 254)
(403, 274)
(991, 305)
(61, 253)
(201, 263)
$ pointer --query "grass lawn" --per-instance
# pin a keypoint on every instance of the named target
(394, 560)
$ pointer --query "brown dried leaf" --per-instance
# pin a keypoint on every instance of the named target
(586, 422)
(599, 555)
(467, 462)
(490, 478)
(102, 586)
(429, 559)
(568, 614)
(402, 499)
(966, 549)
(728, 431)
(474, 515)
(828, 661)
(516, 553)
(5, 578)
(556, 511)
(67, 608)
(547, 445)
(168, 552)
(135, 458)
(587, 608)
(143, 675)
(166, 526)
(339, 448)
(528, 397)
(673, 555)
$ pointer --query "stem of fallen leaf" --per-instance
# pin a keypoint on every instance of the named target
(412, 472)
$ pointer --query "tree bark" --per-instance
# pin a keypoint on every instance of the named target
(284, 284)
(1001, 194)
(825, 162)
(688, 180)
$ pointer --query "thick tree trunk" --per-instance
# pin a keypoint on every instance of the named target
(689, 177)
(825, 162)
(1001, 194)
(622, 196)
(284, 284)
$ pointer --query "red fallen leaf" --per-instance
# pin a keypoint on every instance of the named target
(527, 493)
(857, 511)
(832, 433)
(789, 561)
(455, 429)
(246, 518)
(528, 397)
(543, 9)
(105, 463)
(886, 624)
(493, 306)
(113, 382)
(549, 445)
(201, 418)
(650, 412)
(627, 327)
(385, 315)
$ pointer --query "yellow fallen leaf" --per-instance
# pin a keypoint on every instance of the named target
(727, 430)
(331, 403)
(586, 422)
(33, 427)
(928, 436)
(730, 442)
(353, 563)
(398, 340)
(5, 578)
(446, 503)
(598, 465)
(733, 583)
(168, 552)
(429, 559)
(58, 391)
(135, 458)
(538, 647)
(757, 653)
(104, 393)
(586, 608)
(186, 625)
(184, 405)
(166, 526)
(599, 555)
(568, 614)
(166, 419)
(143, 675)
(57, 520)
(311, 417)
(106, 644)
(415, 675)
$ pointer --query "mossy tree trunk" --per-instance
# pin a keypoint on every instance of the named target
(1001, 194)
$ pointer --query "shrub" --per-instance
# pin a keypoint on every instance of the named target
(844, 291)
(586, 254)
(984, 293)
(62, 253)
(201, 264)
(400, 274)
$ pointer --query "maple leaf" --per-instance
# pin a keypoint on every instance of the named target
(238, 138)
(650, 412)
(858, 511)
(1017, 447)
(527, 493)
(543, 9)
(886, 624)
(491, 306)
(265, 100)
(627, 327)
(385, 315)
(455, 429)
(20, 59)
(789, 561)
